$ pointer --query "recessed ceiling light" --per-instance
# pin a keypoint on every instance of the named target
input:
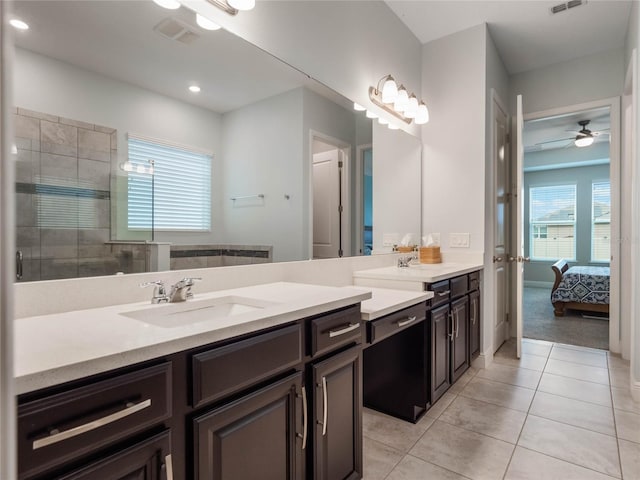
(205, 23)
(242, 4)
(194, 88)
(168, 4)
(19, 24)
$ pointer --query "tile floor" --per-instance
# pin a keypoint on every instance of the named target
(560, 412)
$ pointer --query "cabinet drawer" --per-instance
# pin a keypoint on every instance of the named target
(335, 330)
(64, 426)
(459, 286)
(224, 370)
(474, 281)
(395, 322)
(441, 292)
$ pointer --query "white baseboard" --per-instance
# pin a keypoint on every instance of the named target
(482, 361)
(538, 284)
(635, 391)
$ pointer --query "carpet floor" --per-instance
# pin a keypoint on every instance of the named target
(573, 329)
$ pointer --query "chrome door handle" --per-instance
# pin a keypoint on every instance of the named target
(350, 328)
(304, 418)
(19, 258)
(402, 323)
(443, 293)
(457, 315)
(450, 316)
(325, 406)
(473, 311)
(56, 436)
(497, 259)
(168, 462)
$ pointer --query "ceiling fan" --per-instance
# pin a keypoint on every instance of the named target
(583, 137)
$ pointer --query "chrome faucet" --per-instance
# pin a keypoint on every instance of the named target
(179, 292)
(405, 260)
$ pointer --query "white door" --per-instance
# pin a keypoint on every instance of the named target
(326, 205)
(519, 245)
(500, 159)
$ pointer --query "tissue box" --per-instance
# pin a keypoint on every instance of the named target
(405, 249)
(430, 255)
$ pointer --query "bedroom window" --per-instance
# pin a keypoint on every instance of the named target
(552, 222)
(178, 186)
(600, 222)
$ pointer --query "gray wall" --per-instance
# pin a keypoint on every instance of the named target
(540, 271)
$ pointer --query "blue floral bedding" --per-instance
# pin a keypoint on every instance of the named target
(583, 285)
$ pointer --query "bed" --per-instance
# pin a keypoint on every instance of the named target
(583, 288)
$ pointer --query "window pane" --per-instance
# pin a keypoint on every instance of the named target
(601, 222)
(552, 214)
(179, 187)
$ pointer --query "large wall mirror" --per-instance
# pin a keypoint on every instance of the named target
(122, 168)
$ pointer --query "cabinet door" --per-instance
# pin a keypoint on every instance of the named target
(337, 414)
(146, 460)
(440, 351)
(474, 324)
(255, 437)
(460, 338)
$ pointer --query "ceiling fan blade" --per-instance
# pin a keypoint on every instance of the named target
(555, 141)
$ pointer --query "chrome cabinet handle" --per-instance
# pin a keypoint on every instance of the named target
(19, 258)
(473, 311)
(325, 406)
(350, 328)
(457, 315)
(402, 323)
(443, 293)
(450, 317)
(303, 435)
(168, 461)
(56, 436)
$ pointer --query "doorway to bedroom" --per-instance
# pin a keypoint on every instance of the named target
(568, 193)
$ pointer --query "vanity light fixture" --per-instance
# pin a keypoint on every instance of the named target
(358, 108)
(422, 116)
(397, 101)
(371, 114)
(389, 90)
(242, 4)
(401, 100)
(18, 24)
(383, 121)
(204, 22)
(194, 88)
(168, 4)
(392, 126)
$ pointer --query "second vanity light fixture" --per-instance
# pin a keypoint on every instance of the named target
(398, 102)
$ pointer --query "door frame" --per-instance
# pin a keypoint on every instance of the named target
(614, 177)
(346, 190)
(358, 203)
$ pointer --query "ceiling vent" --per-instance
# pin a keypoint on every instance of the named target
(174, 29)
(561, 7)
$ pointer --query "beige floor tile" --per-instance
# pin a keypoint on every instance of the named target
(379, 459)
(443, 402)
(628, 425)
(620, 377)
(573, 444)
(521, 377)
(466, 377)
(574, 412)
(540, 349)
(391, 431)
(468, 453)
(510, 396)
(412, 468)
(580, 372)
(616, 361)
(577, 389)
(529, 465)
(481, 417)
(583, 357)
(536, 341)
(597, 351)
(630, 458)
(532, 362)
(622, 400)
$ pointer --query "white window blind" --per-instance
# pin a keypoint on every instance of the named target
(552, 222)
(176, 195)
(601, 222)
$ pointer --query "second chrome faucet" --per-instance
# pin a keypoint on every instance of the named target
(179, 291)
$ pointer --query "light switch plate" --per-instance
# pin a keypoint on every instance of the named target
(459, 240)
(389, 239)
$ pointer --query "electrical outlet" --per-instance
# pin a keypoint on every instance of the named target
(389, 239)
(459, 240)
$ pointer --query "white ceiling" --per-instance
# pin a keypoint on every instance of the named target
(526, 34)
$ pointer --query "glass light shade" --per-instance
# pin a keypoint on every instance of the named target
(242, 4)
(391, 126)
(18, 24)
(412, 107)
(358, 108)
(401, 100)
(205, 23)
(383, 121)
(422, 116)
(370, 114)
(584, 141)
(168, 4)
(389, 90)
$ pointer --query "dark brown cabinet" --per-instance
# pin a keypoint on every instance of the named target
(440, 351)
(474, 324)
(459, 337)
(337, 416)
(258, 436)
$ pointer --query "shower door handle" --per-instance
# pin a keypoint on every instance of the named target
(19, 258)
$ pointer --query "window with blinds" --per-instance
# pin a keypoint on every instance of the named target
(600, 222)
(169, 187)
(552, 222)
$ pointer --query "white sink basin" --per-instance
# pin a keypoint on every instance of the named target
(194, 311)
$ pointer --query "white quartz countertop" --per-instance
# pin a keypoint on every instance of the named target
(384, 301)
(52, 349)
(419, 272)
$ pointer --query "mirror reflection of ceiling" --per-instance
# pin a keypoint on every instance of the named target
(119, 41)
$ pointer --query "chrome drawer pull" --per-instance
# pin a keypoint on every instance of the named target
(57, 436)
(325, 406)
(350, 328)
(443, 293)
(304, 418)
(168, 461)
(407, 321)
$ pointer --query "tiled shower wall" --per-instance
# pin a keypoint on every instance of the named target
(63, 175)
